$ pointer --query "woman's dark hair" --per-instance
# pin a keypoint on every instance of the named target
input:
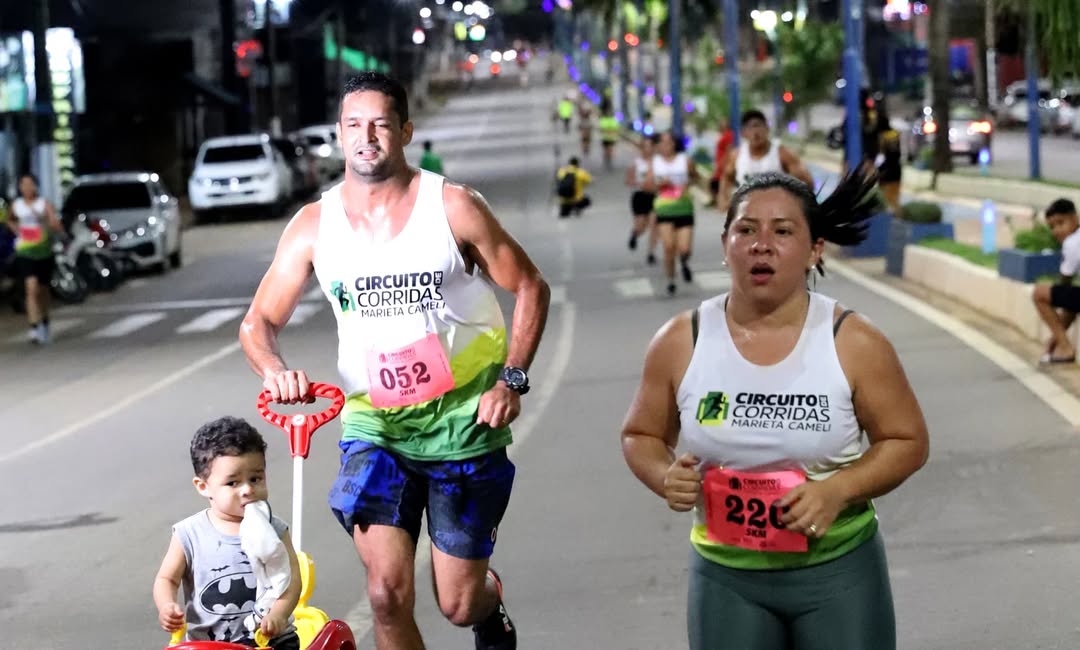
(841, 218)
(381, 83)
(227, 436)
(676, 139)
(30, 176)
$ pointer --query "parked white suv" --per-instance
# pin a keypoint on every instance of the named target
(241, 170)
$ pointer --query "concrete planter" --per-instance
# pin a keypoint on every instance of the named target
(902, 233)
(877, 238)
(977, 287)
(1024, 266)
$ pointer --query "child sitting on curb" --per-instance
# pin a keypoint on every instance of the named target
(1059, 303)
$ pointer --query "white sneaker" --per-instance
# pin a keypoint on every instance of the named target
(34, 335)
(43, 333)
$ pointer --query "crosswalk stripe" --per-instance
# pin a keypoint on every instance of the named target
(558, 294)
(127, 325)
(303, 312)
(633, 287)
(56, 326)
(210, 320)
(713, 280)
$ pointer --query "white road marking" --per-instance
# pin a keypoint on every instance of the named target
(712, 280)
(122, 404)
(199, 303)
(633, 287)
(359, 617)
(211, 320)
(56, 326)
(1044, 388)
(558, 294)
(127, 325)
(303, 312)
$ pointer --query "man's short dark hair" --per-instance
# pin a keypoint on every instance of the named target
(427, 145)
(574, 162)
(381, 83)
(752, 114)
(227, 436)
(1061, 206)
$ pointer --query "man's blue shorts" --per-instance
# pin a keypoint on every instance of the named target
(465, 499)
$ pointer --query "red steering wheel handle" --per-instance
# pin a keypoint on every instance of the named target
(300, 427)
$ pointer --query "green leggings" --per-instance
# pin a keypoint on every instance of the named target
(843, 604)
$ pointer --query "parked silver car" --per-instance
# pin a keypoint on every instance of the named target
(134, 210)
(970, 131)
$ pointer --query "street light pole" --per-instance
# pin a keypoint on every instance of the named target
(1031, 67)
(853, 17)
(731, 62)
(675, 59)
(271, 78)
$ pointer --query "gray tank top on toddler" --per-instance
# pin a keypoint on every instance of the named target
(219, 586)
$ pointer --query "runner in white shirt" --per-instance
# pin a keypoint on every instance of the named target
(757, 154)
(772, 392)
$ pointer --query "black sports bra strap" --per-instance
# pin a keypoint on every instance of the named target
(694, 320)
(839, 321)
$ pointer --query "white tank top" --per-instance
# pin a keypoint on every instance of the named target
(29, 214)
(747, 167)
(676, 170)
(32, 222)
(641, 171)
(389, 295)
(796, 414)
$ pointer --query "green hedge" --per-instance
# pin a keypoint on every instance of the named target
(1036, 240)
(968, 252)
(921, 212)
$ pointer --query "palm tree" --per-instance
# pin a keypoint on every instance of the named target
(1059, 22)
(939, 76)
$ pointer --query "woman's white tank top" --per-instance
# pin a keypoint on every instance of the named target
(795, 414)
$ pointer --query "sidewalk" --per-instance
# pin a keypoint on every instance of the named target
(964, 212)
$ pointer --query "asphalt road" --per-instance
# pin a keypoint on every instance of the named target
(982, 543)
(1059, 154)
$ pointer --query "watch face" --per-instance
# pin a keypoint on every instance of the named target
(515, 376)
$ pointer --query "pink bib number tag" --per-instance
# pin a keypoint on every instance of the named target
(30, 234)
(671, 192)
(409, 375)
(741, 509)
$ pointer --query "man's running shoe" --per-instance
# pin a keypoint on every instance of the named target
(633, 241)
(687, 276)
(651, 259)
(671, 289)
(498, 631)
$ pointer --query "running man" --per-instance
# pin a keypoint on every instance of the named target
(609, 135)
(403, 256)
(757, 154)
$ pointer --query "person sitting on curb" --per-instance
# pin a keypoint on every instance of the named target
(570, 186)
(1050, 298)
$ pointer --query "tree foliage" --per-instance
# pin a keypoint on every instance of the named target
(1058, 32)
(809, 60)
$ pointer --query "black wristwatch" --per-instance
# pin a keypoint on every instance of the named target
(516, 379)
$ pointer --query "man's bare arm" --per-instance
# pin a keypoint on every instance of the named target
(794, 166)
(501, 258)
(274, 302)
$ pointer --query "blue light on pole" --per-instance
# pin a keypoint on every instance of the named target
(984, 161)
(989, 227)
